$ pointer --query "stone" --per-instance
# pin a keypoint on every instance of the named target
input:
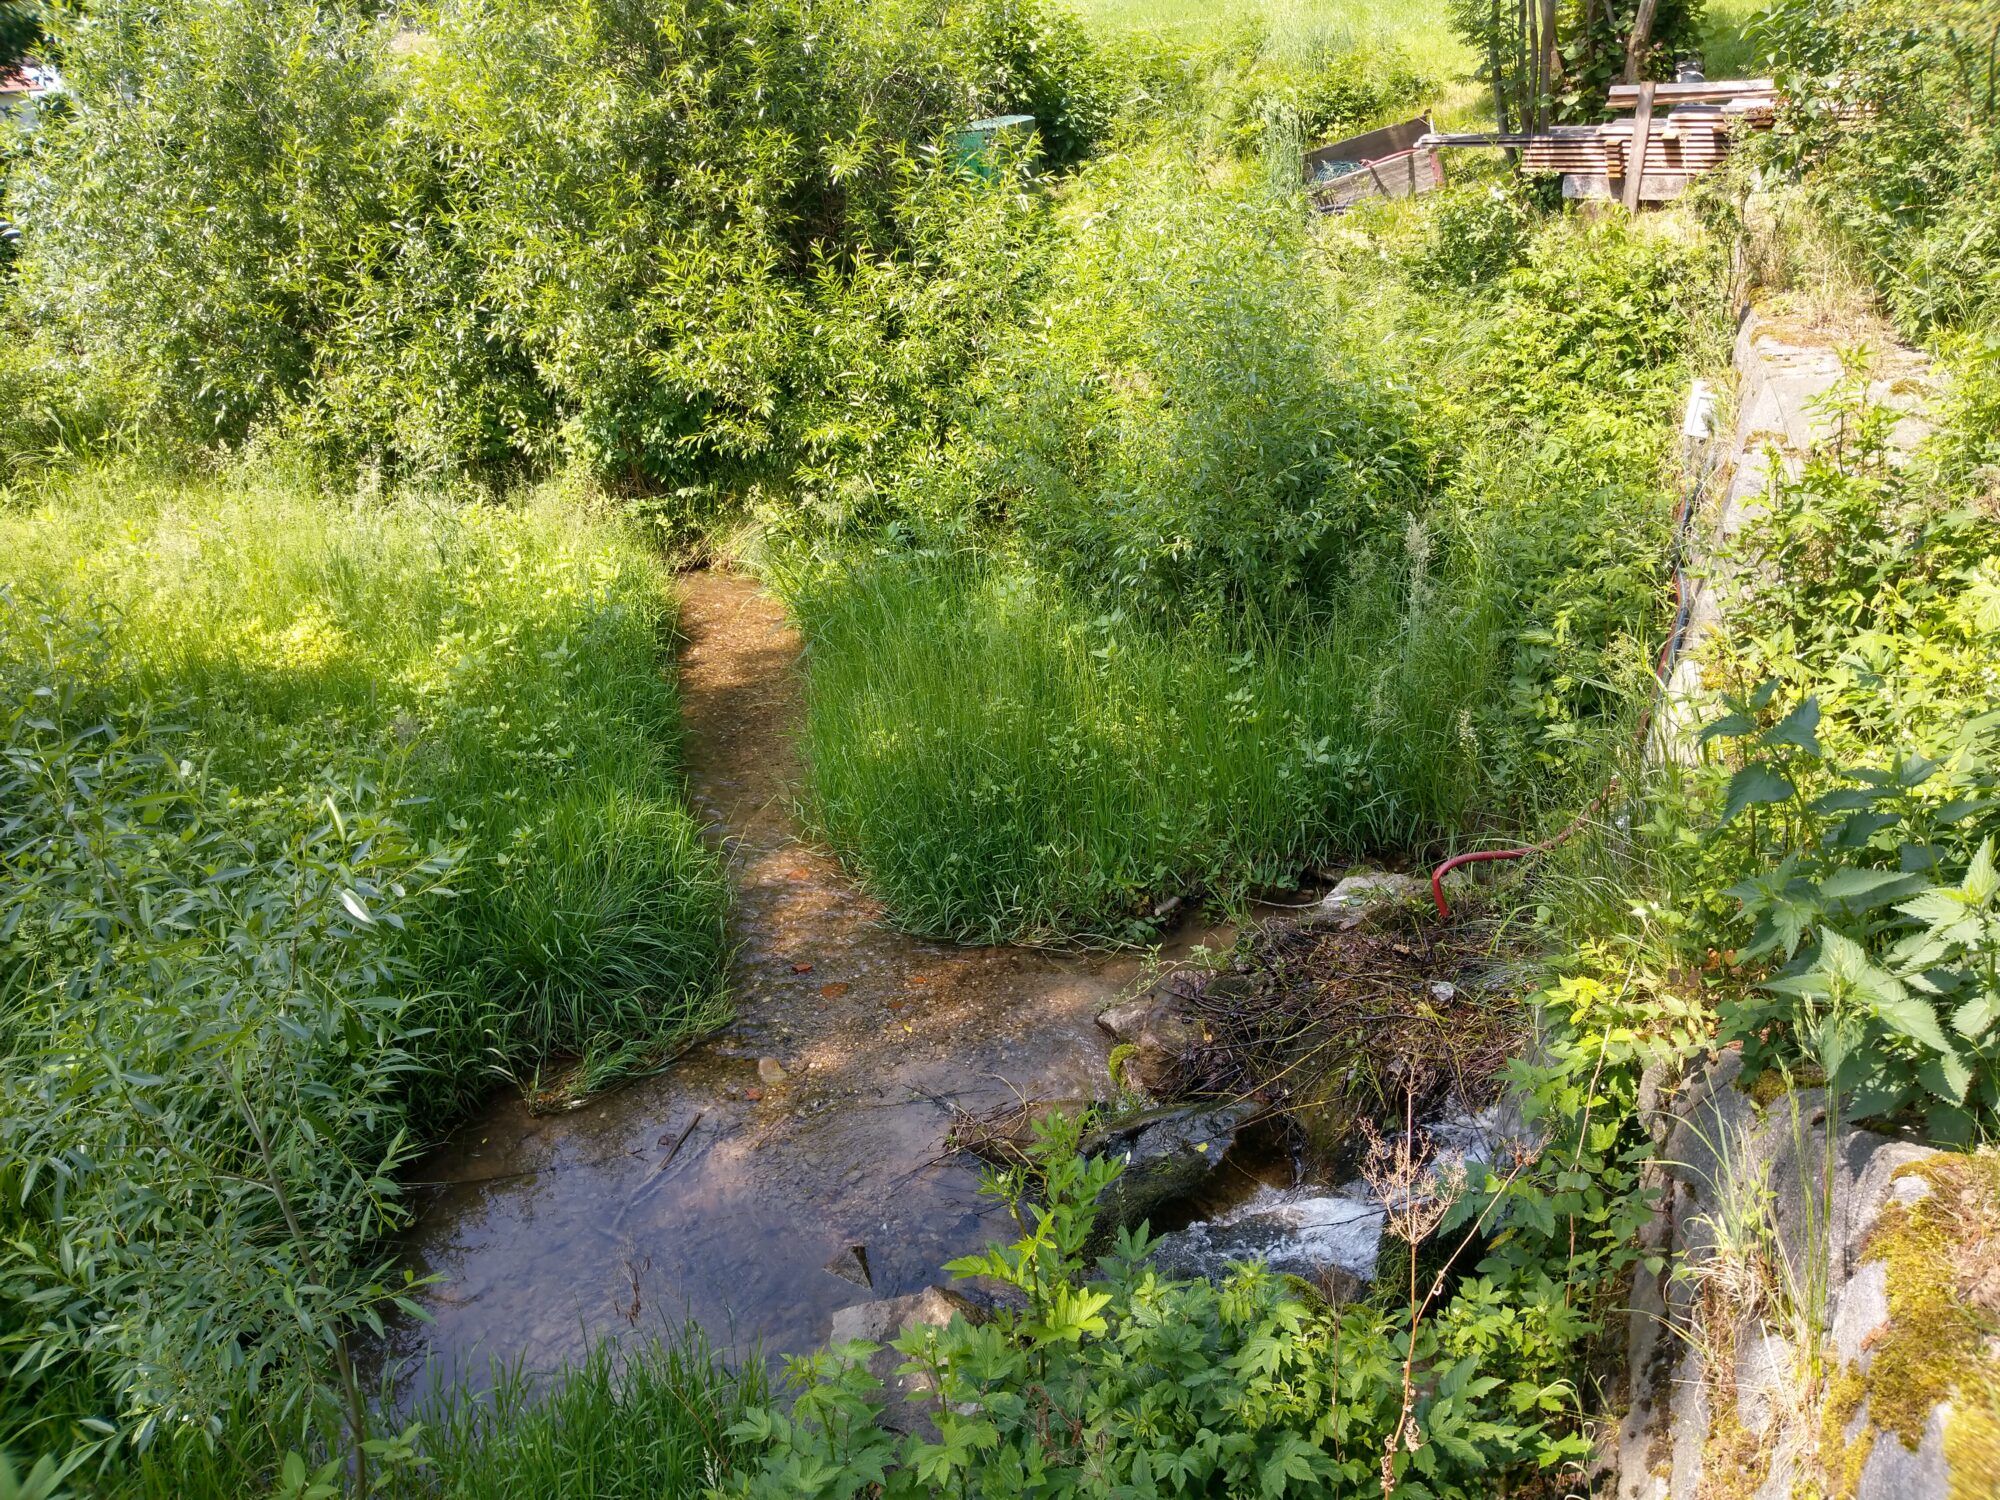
(1167, 1157)
(1764, 1374)
(770, 1070)
(850, 1263)
(1364, 898)
(1861, 1308)
(884, 1321)
(1894, 1472)
(1159, 1029)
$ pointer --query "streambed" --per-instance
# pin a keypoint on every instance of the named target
(722, 1189)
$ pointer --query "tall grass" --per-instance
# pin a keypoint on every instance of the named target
(314, 815)
(1002, 760)
(500, 670)
(646, 1423)
(1294, 29)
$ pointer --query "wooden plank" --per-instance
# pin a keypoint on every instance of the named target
(1403, 175)
(1642, 128)
(1710, 91)
(1375, 145)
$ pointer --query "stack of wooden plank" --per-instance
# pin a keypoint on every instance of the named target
(1678, 131)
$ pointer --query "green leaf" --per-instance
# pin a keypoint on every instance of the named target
(1799, 728)
(1728, 727)
(1863, 890)
(1976, 1017)
(1754, 784)
(1914, 1019)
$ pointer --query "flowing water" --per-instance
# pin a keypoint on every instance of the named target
(720, 1190)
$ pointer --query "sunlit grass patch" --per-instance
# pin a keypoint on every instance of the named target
(1000, 760)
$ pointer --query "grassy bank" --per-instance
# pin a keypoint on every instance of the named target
(1003, 759)
(322, 815)
(1264, 549)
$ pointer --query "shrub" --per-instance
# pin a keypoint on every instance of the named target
(1174, 431)
(207, 1018)
(1909, 183)
(251, 737)
(206, 250)
(1473, 233)
(1122, 1382)
(1859, 816)
(529, 229)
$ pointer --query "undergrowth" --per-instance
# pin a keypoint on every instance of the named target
(319, 817)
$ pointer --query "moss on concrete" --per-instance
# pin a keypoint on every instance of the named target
(1942, 1341)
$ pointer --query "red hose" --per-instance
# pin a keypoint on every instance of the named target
(1478, 856)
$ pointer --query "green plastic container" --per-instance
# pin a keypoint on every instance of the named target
(974, 144)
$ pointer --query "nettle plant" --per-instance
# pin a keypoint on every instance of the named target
(1121, 1383)
(1878, 901)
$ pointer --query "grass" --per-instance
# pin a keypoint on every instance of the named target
(1002, 761)
(316, 814)
(498, 669)
(1293, 28)
(646, 1423)
(641, 1421)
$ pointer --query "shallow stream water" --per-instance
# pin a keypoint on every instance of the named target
(719, 1192)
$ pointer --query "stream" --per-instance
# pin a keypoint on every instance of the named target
(721, 1189)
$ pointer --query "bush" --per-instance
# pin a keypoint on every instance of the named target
(530, 229)
(1473, 233)
(1859, 818)
(1120, 1382)
(1909, 183)
(1174, 431)
(207, 1016)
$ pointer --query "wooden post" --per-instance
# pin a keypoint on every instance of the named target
(1641, 40)
(1635, 154)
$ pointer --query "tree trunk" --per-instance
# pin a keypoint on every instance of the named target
(1641, 40)
(1551, 62)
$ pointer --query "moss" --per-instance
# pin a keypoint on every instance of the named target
(1772, 1084)
(1841, 1461)
(1942, 1340)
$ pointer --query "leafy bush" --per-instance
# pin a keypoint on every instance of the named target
(208, 1022)
(528, 229)
(1175, 431)
(1907, 176)
(207, 250)
(250, 735)
(1861, 808)
(1473, 233)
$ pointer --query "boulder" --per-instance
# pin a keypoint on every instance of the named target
(883, 1322)
(1694, 1360)
(1159, 1028)
(1364, 898)
(1168, 1156)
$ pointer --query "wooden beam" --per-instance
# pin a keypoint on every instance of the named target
(1642, 130)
